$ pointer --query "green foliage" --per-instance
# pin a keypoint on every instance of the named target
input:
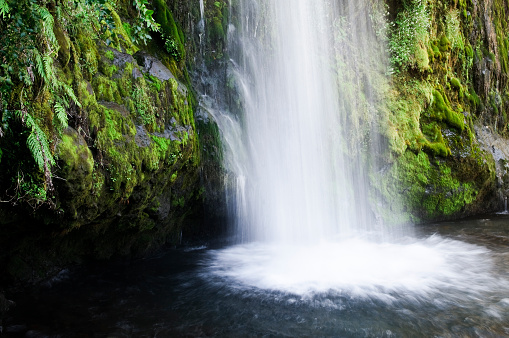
(453, 30)
(25, 78)
(146, 15)
(408, 31)
(145, 23)
(61, 115)
(144, 107)
(444, 44)
(37, 143)
(109, 55)
(172, 48)
(4, 9)
(169, 30)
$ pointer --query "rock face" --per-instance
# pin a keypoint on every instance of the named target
(127, 175)
(445, 115)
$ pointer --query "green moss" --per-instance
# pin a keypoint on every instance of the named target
(144, 107)
(106, 89)
(473, 98)
(444, 45)
(121, 40)
(75, 155)
(436, 51)
(469, 51)
(456, 85)
(217, 31)
(64, 53)
(437, 149)
(428, 190)
(124, 82)
(109, 71)
(164, 17)
(447, 195)
(154, 82)
(421, 59)
(442, 112)
(89, 55)
(109, 55)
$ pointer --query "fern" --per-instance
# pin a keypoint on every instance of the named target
(68, 90)
(48, 69)
(38, 144)
(4, 9)
(40, 65)
(47, 23)
(61, 115)
(36, 150)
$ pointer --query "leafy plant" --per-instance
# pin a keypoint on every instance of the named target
(4, 9)
(140, 31)
(171, 47)
(409, 29)
(38, 144)
(29, 48)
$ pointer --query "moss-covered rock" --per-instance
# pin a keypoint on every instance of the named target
(442, 167)
(127, 173)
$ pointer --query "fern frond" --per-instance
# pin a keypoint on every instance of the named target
(40, 65)
(48, 68)
(68, 90)
(61, 115)
(44, 145)
(47, 23)
(35, 149)
(37, 143)
(4, 9)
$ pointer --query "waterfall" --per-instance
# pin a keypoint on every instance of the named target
(201, 25)
(300, 143)
(305, 180)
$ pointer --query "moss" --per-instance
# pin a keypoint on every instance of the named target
(469, 51)
(437, 149)
(444, 45)
(421, 59)
(456, 85)
(473, 98)
(75, 155)
(436, 51)
(121, 40)
(429, 190)
(89, 55)
(64, 53)
(447, 195)
(109, 55)
(441, 111)
(109, 71)
(164, 17)
(106, 89)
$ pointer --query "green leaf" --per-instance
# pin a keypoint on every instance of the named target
(61, 115)
(68, 90)
(4, 9)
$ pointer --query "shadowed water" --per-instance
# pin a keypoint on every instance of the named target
(455, 283)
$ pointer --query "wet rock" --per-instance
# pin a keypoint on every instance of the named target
(5, 304)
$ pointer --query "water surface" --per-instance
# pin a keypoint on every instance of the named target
(450, 279)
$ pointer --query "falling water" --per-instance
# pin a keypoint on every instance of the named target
(302, 185)
(201, 25)
(309, 73)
